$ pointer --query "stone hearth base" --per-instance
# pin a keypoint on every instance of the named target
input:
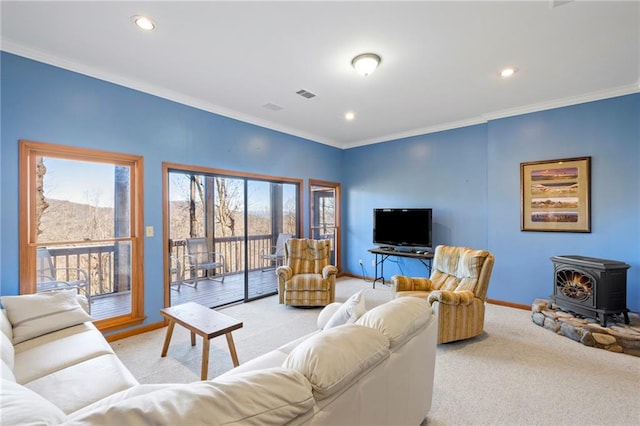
(616, 337)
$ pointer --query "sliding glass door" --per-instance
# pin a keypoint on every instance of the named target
(240, 218)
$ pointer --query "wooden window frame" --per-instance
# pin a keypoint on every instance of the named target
(28, 152)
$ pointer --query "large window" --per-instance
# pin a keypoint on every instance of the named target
(80, 227)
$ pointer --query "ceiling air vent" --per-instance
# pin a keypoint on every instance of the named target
(272, 107)
(306, 94)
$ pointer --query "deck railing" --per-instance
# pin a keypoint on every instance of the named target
(99, 260)
(232, 248)
(96, 260)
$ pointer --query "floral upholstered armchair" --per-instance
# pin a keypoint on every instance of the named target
(456, 290)
(307, 278)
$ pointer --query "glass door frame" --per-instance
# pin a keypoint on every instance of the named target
(214, 172)
(313, 214)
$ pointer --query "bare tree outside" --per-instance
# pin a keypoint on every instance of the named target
(41, 202)
(192, 194)
(227, 205)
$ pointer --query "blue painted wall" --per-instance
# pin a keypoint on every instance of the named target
(446, 171)
(471, 178)
(48, 104)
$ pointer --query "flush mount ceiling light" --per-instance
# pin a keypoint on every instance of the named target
(143, 22)
(366, 63)
(507, 72)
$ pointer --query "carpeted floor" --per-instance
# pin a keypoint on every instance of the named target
(515, 373)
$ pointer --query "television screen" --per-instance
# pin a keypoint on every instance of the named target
(402, 227)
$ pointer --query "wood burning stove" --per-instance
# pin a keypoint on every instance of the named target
(590, 286)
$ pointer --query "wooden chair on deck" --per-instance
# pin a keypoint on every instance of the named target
(51, 278)
(276, 255)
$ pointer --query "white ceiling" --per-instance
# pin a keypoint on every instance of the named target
(439, 70)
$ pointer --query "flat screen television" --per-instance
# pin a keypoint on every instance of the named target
(403, 228)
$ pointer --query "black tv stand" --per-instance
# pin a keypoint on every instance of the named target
(382, 253)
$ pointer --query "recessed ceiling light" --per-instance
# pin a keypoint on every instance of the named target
(143, 22)
(507, 72)
(349, 116)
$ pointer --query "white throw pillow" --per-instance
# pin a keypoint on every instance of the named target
(349, 312)
(21, 406)
(326, 313)
(33, 315)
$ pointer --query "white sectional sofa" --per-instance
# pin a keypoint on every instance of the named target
(377, 369)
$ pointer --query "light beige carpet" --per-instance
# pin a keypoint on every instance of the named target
(515, 373)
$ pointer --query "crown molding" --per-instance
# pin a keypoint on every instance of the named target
(141, 86)
(511, 112)
(564, 102)
(144, 87)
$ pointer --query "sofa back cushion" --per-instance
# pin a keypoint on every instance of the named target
(399, 319)
(457, 268)
(332, 359)
(272, 396)
(306, 256)
(33, 315)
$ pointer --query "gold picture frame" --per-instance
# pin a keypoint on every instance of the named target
(556, 195)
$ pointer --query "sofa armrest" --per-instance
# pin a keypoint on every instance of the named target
(329, 270)
(464, 297)
(404, 283)
(284, 272)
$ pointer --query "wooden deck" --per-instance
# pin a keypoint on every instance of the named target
(209, 293)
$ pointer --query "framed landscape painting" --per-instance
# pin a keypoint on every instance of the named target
(555, 195)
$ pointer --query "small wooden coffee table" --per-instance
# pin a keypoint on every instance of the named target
(204, 322)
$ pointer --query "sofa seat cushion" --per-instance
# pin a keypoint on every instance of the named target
(21, 406)
(33, 315)
(272, 396)
(307, 282)
(398, 320)
(82, 384)
(413, 293)
(47, 354)
(333, 359)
